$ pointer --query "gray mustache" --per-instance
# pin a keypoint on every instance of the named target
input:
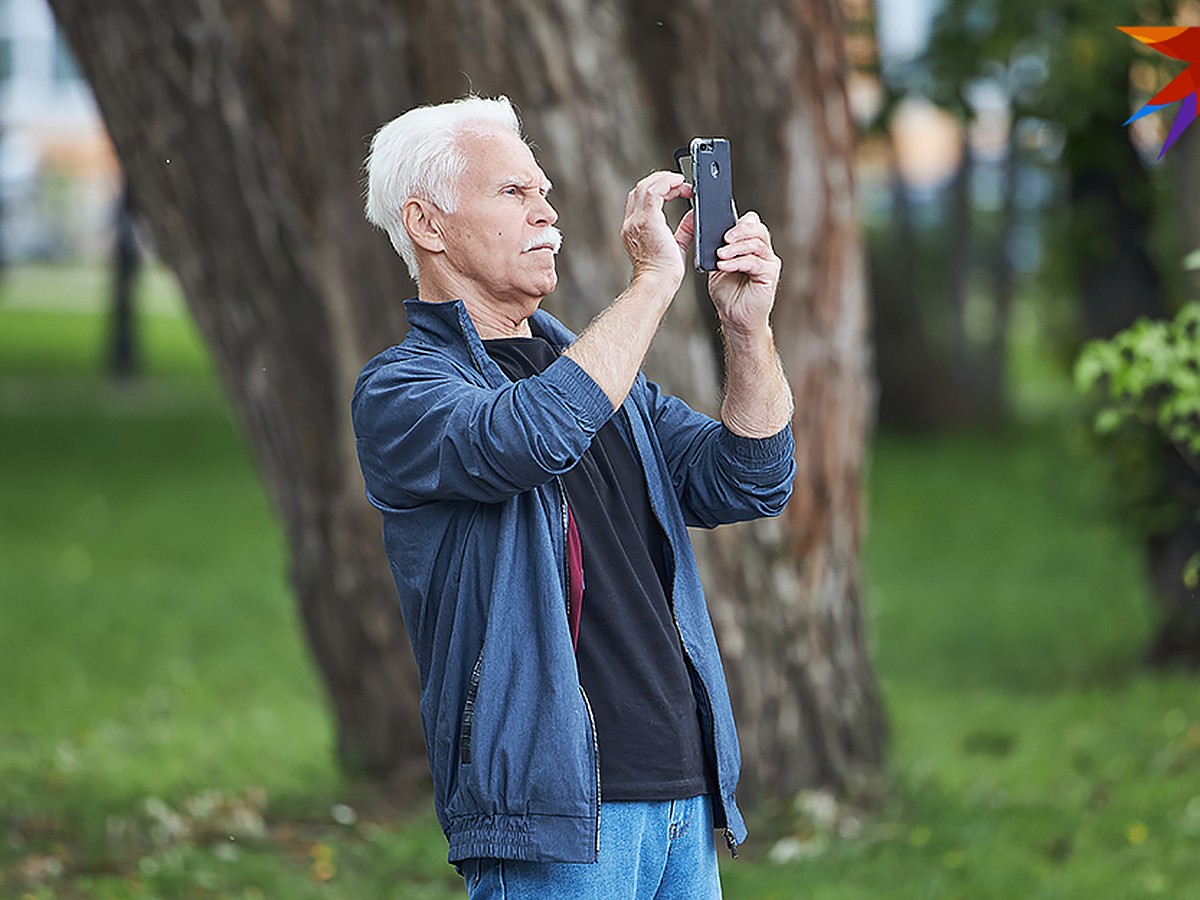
(548, 235)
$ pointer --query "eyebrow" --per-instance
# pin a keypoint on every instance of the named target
(526, 183)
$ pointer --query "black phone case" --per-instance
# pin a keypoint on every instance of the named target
(712, 179)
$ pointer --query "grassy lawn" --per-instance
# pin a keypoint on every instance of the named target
(163, 734)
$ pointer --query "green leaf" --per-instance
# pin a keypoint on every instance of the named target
(1107, 421)
(1098, 358)
(1191, 572)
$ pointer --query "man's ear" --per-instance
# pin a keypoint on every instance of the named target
(422, 221)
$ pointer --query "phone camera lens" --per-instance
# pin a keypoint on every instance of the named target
(715, 169)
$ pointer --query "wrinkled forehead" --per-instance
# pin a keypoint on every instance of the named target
(494, 154)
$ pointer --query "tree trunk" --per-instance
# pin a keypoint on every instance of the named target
(1177, 641)
(124, 361)
(263, 115)
(241, 127)
(786, 600)
(959, 248)
(1113, 209)
(1004, 275)
(1111, 203)
(912, 376)
(786, 595)
(1184, 161)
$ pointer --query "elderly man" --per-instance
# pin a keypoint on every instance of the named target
(536, 490)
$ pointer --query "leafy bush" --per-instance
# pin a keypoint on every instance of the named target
(1149, 373)
(1146, 382)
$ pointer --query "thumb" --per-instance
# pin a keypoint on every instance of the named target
(686, 231)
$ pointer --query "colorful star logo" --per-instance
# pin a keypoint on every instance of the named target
(1178, 43)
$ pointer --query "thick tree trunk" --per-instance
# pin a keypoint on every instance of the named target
(786, 599)
(786, 596)
(242, 128)
(263, 116)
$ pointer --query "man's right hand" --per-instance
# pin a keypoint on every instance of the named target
(612, 348)
(653, 249)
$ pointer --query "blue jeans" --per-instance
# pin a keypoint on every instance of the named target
(649, 850)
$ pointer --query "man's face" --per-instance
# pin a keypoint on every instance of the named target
(502, 208)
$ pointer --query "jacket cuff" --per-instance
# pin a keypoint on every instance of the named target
(755, 453)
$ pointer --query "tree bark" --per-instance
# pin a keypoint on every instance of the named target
(263, 114)
(786, 595)
(241, 127)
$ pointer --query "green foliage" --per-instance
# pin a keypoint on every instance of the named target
(1055, 57)
(1150, 374)
(1063, 68)
(1145, 384)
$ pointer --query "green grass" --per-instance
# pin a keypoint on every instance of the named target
(156, 696)
(1031, 756)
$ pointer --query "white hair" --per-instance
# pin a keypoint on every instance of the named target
(416, 155)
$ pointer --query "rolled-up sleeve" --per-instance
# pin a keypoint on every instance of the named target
(424, 433)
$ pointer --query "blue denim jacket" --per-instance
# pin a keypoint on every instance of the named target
(464, 465)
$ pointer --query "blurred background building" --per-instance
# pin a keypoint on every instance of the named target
(59, 178)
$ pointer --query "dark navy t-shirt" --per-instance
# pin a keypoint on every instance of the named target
(630, 659)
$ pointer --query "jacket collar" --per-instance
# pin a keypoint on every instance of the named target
(448, 324)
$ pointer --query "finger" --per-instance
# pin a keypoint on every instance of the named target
(749, 225)
(659, 182)
(756, 267)
(646, 186)
(752, 246)
(748, 232)
(655, 189)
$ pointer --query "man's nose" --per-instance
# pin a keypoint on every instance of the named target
(543, 213)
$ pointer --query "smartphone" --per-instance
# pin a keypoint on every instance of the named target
(712, 198)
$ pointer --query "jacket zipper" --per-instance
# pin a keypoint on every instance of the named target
(729, 841)
(562, 493)
(595, 755)
(468, 716)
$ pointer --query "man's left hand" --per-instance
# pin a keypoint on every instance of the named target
(747, 277)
